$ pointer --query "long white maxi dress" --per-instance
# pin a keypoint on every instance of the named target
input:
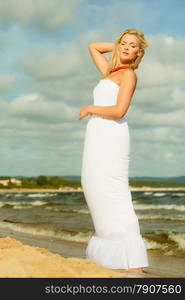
(116, 242)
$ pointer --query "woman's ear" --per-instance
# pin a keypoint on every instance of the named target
(140, 52)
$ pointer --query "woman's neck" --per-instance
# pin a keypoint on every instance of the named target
(121, 67)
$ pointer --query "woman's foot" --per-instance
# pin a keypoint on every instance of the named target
(119, 270)
(135, 270)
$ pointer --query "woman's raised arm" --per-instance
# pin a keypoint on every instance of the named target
(96, 51)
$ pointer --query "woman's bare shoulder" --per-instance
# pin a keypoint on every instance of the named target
(125, 75)
(128, 73)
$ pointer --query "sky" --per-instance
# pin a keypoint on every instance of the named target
(47, 74)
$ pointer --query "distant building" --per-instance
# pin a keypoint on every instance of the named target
(15, 181)
(6, 182)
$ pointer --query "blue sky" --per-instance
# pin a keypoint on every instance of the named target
(46, 75)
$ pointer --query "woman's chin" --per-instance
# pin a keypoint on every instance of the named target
(125, 61)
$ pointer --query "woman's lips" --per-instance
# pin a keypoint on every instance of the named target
(125, 53)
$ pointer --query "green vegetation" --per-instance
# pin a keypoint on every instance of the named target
(42, 182)
(56, 182)
(48, 182)
(150, 183)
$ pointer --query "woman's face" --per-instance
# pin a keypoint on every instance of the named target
(129, 48)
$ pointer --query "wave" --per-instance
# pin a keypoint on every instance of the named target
(51, 206)
(47, 205)
(39, 195)
(179, 238)
(141, 217)
(38, 203)
(159, 206)
(67, 235)
(21, 204)
(22, 207)
(180, 218)
(171, 243)
(178, 194)
(154, 245)
(148, 193)
(159, 194)
(68, 210)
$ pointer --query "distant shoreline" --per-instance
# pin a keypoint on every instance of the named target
(64, 190)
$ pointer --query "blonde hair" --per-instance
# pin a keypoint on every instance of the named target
(115, 57)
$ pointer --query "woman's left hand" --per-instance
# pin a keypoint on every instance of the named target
(83, 112)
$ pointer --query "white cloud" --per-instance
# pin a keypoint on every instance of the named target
(163, 63)
(52, 65)
(159, 100)
(46, 15)
(39, 109)
(140, 118)
(70, 58)
(7, 83)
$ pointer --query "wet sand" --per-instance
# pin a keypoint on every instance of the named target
(26, 255)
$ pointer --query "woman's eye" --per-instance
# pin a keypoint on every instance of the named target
(124, 44)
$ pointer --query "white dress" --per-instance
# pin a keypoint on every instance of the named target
(116, 242)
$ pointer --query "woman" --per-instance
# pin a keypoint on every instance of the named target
(117, 242)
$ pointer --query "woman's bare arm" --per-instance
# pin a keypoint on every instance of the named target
(109, 112)
(126, 90)
(96, 51)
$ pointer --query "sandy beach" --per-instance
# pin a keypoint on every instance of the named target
(70, 189)
(24, 255)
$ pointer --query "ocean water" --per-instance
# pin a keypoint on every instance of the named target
(161, 217)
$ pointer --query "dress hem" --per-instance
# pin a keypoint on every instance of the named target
(123, 253)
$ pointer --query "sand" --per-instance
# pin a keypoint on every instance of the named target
(19, 260)
(80, 190)
(27, 256)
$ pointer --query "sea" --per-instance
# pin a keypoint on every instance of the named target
(65, 215)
